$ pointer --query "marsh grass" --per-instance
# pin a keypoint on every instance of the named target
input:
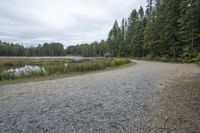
(88, 65)
(59, 66)
(23, 72)
(97, 64)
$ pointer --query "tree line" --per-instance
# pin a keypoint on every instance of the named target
(166, 29)
(47, 49)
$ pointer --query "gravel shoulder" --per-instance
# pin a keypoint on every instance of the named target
(146, 97)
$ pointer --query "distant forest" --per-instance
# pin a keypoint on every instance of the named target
(166, 29)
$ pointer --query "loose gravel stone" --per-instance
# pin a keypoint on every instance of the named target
(120, 100)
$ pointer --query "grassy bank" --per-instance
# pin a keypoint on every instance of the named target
(25, 68)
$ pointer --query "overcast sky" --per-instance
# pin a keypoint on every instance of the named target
(67, 21)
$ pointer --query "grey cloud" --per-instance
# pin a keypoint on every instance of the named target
(70, 22)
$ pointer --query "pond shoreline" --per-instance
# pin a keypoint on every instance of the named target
(68, 75)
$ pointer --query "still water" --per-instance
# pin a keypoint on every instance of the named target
(24, 71)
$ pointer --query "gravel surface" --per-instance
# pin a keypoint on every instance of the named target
(122, 100)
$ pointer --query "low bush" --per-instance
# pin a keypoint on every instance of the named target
(198, 59)
(120, 61)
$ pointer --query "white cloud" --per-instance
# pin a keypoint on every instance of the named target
(66, 21)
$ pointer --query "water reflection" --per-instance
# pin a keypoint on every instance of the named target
(24, 71)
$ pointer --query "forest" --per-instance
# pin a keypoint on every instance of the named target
(163, 29)
(47, 49)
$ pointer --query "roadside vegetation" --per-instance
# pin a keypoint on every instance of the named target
(22, 68)
(184, 59)
(198, 57)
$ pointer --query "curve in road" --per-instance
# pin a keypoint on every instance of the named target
(119, 100)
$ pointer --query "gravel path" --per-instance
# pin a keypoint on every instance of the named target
(122, 100)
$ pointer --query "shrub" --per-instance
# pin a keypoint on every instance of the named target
(120, 61)
(164, 59)
(149, 57)
(198, 57)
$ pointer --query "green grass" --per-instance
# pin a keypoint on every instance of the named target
(120, 61)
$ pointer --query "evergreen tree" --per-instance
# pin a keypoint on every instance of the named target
(132, 20)
(113, 39)
(171, 26)
(122, 39)
(189, 24)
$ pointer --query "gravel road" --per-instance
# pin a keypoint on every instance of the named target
(122, 100)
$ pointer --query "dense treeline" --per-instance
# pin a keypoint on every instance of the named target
(166, 29)
(47, 49)
(93, 49)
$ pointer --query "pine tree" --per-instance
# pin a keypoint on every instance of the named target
(189, 24)
(113, 39)
(139, 34)
(149, 36)
(122, 39)
(149, 7)
(132, 20)
(159, 29)
(171, 26)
